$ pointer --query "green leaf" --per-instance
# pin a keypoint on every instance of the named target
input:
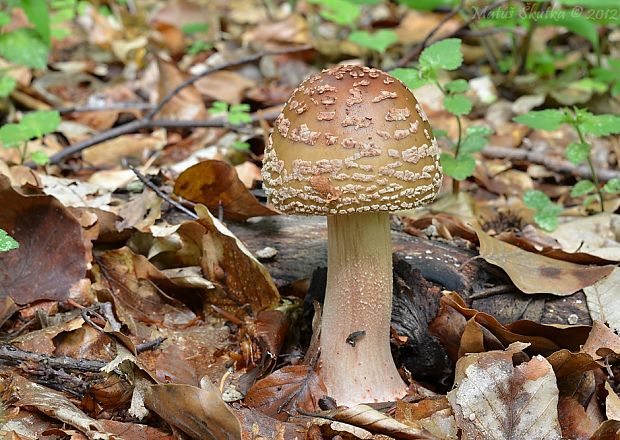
(4, 18)
(457, 104)
(218, 107)
(239, 118)
(199, 46)
(12, 135)
(479, 130)
(547, 218)
(7, 84)
(582, 188)
(7, 243)
(239, 108)
(612, 186)
(378, 41)
(615, 89)
(24, 46)
(427, 5)
(459, 169)
(445, 54)
(194, 28)
(239, 145)
(39, 15)
(341, 12)
(536, 199)
(41, 123)
(577, 152)
(40, 158)
(412, 78)
(438, 132)
(457, 86)
(601, 125)
(473, 144)
(543, 119)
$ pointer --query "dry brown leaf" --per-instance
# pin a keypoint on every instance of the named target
(533, 273)
(111, 153)
(53, 404)
(224, 85)
(290, 388)
(609, 430)
(215, 183)
(199, 412)
(495, 400)
(596, 235)
(416, 25)
(140, 212)
(292, 30)
(573, 419)
(248, 173)
(612, 403)
(185, 105)
(134, 431)
(603, 300)
(601, 341)
(51, 257)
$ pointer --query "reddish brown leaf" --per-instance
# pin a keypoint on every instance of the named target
(573, 419)
(50, 259)
(215, 183)
(292, 387)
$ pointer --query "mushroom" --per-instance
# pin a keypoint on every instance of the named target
(353, 144)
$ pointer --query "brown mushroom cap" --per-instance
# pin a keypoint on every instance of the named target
(351, 139)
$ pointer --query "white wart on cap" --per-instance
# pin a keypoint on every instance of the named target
(351, 139)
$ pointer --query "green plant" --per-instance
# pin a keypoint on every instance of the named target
(377, 41)
(584, 123)
(7, 243)
(546, 212)
(610, 76)
(441, 56)
(197, 46)
(33, 125)
(236, 114)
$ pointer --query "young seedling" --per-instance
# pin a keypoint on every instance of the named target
(7, 243)
(352, 143)
(447, 55)
(33, 125)
(377, 42)
(237, 114)
(584, 123)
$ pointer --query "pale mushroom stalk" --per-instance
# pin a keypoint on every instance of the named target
(358, 367)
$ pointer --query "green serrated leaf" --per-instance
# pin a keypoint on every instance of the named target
(412, 78)
(194, 28)
(578, 24)
(24, 46)
(39, 15)
(41, 123)
(218, 107)
(457, 86)
(612, 186)
(582, 188)
(239, 108)
(7, 84)
(536, 199)
(543, 119)
(378, 41)
(40, 158)
(239, 118)
(473, 144)
(547, 218)
(458, 105)
(459, 169)
(13, 135)
(577, 152)
(7, 243)
(445, 54)
(601, 125)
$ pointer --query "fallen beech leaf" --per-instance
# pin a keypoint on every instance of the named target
(214, 183)
(601, 341)
(285, 390)
(248, 173)
(495, 400)
(573, 419)
(293, 29)
(603, 300)
(134, 431)
(51, 256)
(609, 430)
(224, 86)
(140, 212)
(374, 421)
(53, 404)
(533, 273)
(594, 235)
(199, 412)
(612, 403)
(258, 426)
(111, 153)
(566, 363)
(433, 414)
(186, 104)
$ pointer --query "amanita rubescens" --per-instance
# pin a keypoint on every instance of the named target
(352, 143)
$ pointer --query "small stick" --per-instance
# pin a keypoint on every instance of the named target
(161, 194)
(150, 345)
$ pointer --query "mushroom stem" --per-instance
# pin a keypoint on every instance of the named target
(358, 367)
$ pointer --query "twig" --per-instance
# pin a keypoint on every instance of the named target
(150, 345)
(557, 165)
(239, 62)
(491, 291)
(113, 106)
(161, 194)
(15, 355)
(142, 124)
